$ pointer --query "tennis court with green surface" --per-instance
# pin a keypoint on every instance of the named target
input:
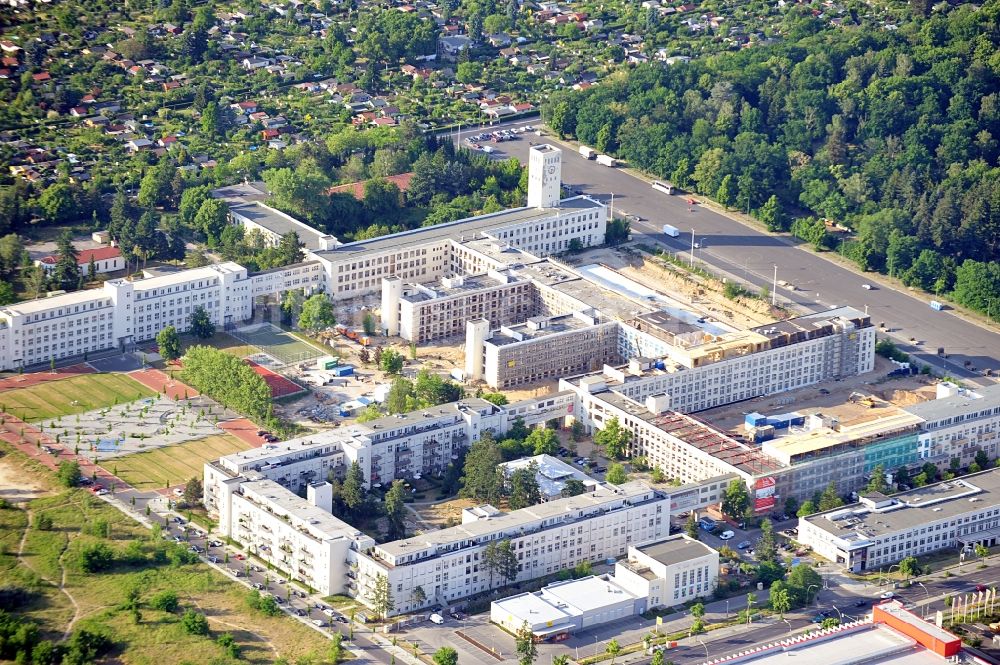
(73, 395)
(173, 465)
(281, 345)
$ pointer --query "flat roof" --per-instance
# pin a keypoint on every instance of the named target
(982, 399)
(470, 226)
(587, 594)
(395, 421)
(552, 473)
(694, 432)
(858, 523)
(276, 221)
(871, 643)
(900, 613)
(534, 608)
(185, 276)
(448, 287)
(44, 304)
(550, 325)
(631, 492)
(325, 525)
(801, 442)
(676, 549)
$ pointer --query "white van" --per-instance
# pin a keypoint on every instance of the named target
(436, 618)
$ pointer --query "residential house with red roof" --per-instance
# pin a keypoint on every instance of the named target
(106, 259)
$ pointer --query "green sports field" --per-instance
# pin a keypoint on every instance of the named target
(73, 395)
(172, 465)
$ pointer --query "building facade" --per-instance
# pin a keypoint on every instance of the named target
(879, 530)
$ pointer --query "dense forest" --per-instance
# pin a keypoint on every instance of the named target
(889, 130)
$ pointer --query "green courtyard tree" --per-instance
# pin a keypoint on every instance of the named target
(445, 656)
(169, 343)
(525, 647)
(736, 501)
(830, 499)
(877, 482)
(352, 492)
(613, 438)
(616, 474)
(201, 323)
(691, 526)
(67, 271)
(69, 474)
(381, 597)
(481, 480)
(391, 362)
(542, 441)
(317, 313)
(395, 510)
(524, 491)
(781, 599)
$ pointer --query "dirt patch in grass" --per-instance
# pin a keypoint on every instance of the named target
(444, 514)
(17, 484)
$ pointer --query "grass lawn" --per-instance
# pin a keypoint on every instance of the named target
(173, 465)
(221, 341)
(73, 395)
(158, 637)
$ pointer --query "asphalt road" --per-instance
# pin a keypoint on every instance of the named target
(751, 255)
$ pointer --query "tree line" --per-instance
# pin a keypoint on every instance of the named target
(230, 381)
(890, 133)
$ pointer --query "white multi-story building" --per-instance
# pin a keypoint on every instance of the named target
(119, 314)
(448, 564)
(721, 369)
(880, 530)
(670, 572)
(958, 424)
(299, 536)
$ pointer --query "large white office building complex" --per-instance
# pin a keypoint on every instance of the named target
(879, 530)
(126, 311)
(256, 497)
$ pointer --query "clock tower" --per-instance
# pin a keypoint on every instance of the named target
(544, 176)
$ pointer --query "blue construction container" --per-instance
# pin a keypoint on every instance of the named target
(659, 364)
(343, 370)
(754, 419)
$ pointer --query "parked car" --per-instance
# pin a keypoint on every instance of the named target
(744, 544)
(327, 611)
(318, 622)
(726, 535)
(436, 618)
(887, 595)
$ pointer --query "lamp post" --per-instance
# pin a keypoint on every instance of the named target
(692, 248)
(928, 594)
(789, 624)
(813, 586)
(774, 286)
(704, 645)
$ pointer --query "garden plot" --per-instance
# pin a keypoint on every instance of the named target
(141, 425)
